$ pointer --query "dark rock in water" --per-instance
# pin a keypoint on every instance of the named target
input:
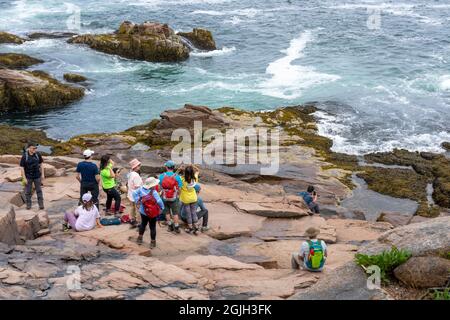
(33, 91)
(348, 282)
(50, 35)
(6, 37)
(73, 77)
(150, 41)
(17, 60)
(395, 218)
(200, 38)
(424, 272)
(446, 145)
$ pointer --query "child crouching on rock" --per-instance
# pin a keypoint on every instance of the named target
(150, 206)
(86, 217)
(188, 197)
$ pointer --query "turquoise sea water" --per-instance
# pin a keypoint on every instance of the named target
(380, 68)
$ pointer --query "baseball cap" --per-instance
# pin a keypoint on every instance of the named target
(86, 197)
(169, 164)
(88, 153)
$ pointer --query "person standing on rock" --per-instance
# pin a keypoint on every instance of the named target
(170, 184)
(32, 174)
(88, 176)
(150, 205)
(86, 217)
(310, 198)
(201, 214)
(134, 183)
(188, 197)
(108, 178)
(313, 253)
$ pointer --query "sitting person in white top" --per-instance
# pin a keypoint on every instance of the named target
(313, 253)
(86, 217)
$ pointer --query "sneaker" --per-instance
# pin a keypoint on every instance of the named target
(188, 230)
(170, 227)
(65, 227)
(177, 229)
(195, 228)
(152, 244)
(41, 208)
(204, 229)
(139, 239)
(28, 207)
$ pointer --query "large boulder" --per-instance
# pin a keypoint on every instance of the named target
(150, 41)
(288, 207)
(426, 238)
(348, 282)
(33, 91)
(6, 37)
(9, 232)
(424, 272)
(17, 60)
(395, 218)
(200, 38)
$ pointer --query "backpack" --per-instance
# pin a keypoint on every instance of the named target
(170, 187)
(315, 255)
(151, 207)
(113, 221)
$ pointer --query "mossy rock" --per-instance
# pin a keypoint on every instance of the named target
(17, 60)
(75, 78)
(425, 210)
(14, 139)
(446, 145)
(200, 38)
(148, 41)
(33, 91)
(6, 37)
(399, 183)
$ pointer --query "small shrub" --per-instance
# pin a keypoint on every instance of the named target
(387, 261)
(441, 295)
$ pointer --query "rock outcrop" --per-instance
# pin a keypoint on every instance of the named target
(6, 37)
(50, 35)
(424, 272)
(395, 218)
(17, 61)
(73, 77)
(33, 91)
(150, 41)
(9, 232)
(200, 38)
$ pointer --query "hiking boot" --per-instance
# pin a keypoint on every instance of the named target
(205, 228)
(41, 207)
(65, 227)
(177, 229)
(170, 227)
(195, 228)
(139, 239)
(152, 244)
(29, 207)
(188, 230)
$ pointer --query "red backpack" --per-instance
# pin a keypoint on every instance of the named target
(151, 207)
(170, 187)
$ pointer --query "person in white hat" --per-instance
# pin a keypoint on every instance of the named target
(88, 176)
(134, 183)
(86, 217)
(150, 206)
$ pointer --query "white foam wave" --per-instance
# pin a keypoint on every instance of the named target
(287, 80)
(444, 83)
(213, 53)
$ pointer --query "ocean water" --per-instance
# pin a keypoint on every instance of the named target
(380, 69)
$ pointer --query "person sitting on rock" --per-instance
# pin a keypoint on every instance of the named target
(134, 183)
(150, 205)
(188, 197)
(170, 184)
(88, 176)
(86, 217)
(313, 252)
(310, 198)
(201, 214)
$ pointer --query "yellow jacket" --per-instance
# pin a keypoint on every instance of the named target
(187, 193)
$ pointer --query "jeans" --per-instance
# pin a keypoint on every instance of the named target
(91, 187)
(191, 212)
(110, 195)
(29, 190)
(202, 214)
(314, 207)
(152, 224)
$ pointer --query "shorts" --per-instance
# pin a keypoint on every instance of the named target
(171, 207)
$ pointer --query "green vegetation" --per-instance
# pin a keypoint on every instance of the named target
(13, 139)
(441, 294)
(387, 261)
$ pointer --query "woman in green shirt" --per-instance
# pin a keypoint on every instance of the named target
(108, 177)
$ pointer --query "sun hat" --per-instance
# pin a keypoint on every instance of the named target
(134, 164)
(150, 182)
(86, 197)
(169, 164)
(88, 153)
(312, 232)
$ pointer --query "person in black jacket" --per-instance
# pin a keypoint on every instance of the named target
(32, 173)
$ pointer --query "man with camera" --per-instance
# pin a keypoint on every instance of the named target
(310, 198)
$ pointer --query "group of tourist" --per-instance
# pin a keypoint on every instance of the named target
(171, 198)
